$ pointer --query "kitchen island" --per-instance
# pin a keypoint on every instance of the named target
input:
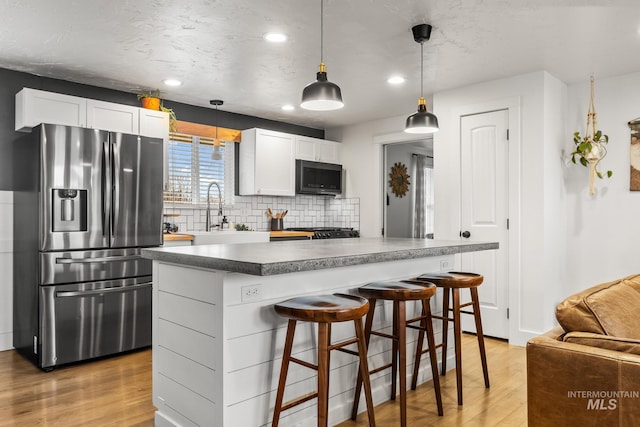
(217, 342)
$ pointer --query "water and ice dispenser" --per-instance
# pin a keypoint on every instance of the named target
(69, 209)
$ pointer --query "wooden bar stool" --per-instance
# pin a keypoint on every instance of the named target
(400, 293)
(454, 281)
(323, 310)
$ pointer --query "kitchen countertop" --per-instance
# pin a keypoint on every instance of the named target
(263, 259)
(177, 237)
(291, 233)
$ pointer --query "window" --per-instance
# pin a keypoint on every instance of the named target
(429, 197)
(192, 169)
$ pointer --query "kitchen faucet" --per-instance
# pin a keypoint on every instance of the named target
(207, 226)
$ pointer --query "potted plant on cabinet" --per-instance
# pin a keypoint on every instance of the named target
(150, 99)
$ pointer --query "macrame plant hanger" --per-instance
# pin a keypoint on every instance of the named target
(598, 151)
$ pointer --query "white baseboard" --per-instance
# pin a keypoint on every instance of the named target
(6, 341)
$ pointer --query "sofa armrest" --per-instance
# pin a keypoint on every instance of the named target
(573, 384)
(624, 345)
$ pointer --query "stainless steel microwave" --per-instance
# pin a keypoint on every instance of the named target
(318, 178)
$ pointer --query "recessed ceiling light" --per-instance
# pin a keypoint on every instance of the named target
(395, 80)
(288, 107)
(275, 37)
(172, 82)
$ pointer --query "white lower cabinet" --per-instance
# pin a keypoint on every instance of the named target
(37, 106)
(267, 163)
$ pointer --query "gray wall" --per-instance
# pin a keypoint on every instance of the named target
(398, 209)
(15, 151)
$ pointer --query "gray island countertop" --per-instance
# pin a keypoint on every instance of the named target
(265, 259)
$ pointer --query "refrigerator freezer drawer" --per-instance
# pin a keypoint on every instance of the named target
(89, 266)
(88, 320)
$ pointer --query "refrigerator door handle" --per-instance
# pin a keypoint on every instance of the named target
(106, 190)
(63, 260)
(68, 294)
(115, 195)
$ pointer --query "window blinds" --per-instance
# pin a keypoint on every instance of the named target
(191, 169)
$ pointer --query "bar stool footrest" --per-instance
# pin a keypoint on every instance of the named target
(297, 401)
(383, 335)
(303, 363)
(381, 368)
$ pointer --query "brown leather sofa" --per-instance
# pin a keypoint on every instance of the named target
(586, 372)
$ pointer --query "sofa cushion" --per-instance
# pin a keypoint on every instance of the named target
(610, 308)
(624, 345)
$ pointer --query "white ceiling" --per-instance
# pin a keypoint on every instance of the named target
(216, 47)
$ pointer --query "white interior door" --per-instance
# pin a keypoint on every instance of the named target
(484, 214)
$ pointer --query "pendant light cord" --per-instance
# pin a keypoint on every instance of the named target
(321, 31)
(422, 69)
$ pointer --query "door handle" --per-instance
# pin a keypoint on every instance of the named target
(102, 291)
(466, 234)
(100, 259)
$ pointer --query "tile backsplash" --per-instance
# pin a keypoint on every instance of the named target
(304, 211)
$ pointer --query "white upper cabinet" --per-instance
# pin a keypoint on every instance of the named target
(112, 117)
(154, 123)
(317, 150)
(306, 148)
(36, 106)
(267, 163)
(328, 152)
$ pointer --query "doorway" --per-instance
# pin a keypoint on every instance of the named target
(408, 189)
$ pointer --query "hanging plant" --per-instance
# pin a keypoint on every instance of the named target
(173, 120)
(590, 149)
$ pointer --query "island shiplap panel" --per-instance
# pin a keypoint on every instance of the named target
(218, 357)
(197, 315)
(196, 284)
(186, 345)
(180, 400)
(191, 344)
(201, 379)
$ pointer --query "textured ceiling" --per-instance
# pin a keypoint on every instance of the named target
(216, 47)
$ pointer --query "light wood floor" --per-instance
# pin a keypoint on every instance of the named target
(504, 404)
(117, 392)
(109, 392)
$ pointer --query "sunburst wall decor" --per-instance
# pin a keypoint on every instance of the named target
(399, 179)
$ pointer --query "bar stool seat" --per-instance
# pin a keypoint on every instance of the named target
(400, 293)
(451, 283)
(323, 310)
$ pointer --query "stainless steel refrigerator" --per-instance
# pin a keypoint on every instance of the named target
(81, 289)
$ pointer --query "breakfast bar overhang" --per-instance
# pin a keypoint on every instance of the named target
(217, 342)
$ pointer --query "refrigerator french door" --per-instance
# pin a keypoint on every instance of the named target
(99, 189)
(99, 200)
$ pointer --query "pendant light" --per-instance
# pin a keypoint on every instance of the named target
(422, 121)
(321, 95)
(217, 153)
